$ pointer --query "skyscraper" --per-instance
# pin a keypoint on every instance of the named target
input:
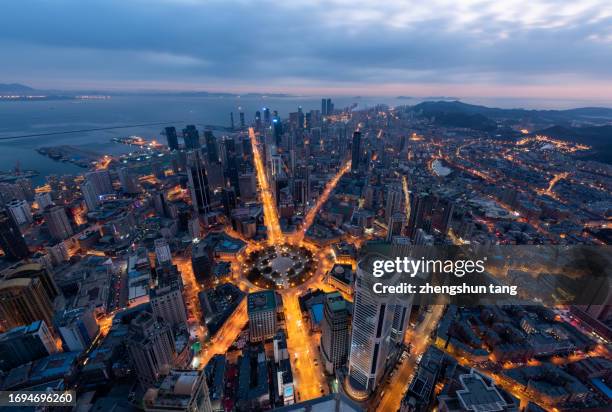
(89, 195)
(34, 271)
(395, 225)
(248, 186)
(11, 240)
(329, 107)
(151, 348)
(258, 120)
(198, 183)
(372, 337)
(232, 120)
(20, 211)
(191, 136)
(57, 222)
(242, 120)
(334, 331)
(101, 181)
(162, 250)
(43, 199)
(167, 303)
(78, 328)
(261, 308)
(172, 138)
(356, 151)
(266, 116)
(128, 183)
(393, 202)
(277, 130)
(229, 200)
(23, 301)
(24, 344)
(211, 146)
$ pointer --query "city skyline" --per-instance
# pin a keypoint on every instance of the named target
(342, 205)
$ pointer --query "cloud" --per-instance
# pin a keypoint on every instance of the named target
(259, 45)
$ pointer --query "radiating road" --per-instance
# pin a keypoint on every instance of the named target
(298, 236)
(275, 235)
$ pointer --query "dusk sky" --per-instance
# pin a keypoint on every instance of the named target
(518, 48)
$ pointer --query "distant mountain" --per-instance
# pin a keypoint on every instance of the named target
(15, 88)
(456, 114)
(542, 117)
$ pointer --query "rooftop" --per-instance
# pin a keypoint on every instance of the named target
(261, 301)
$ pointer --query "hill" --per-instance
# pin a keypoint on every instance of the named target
(15, 88)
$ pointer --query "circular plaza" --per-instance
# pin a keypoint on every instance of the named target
(280, 267)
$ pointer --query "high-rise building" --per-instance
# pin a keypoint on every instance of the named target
(232, 172)
(258, 120)
(232, 126)
(248, 186)
(266, 116)
(128, 183)
(101, 181)
(89, 195)
(418, 205)
(228, 196)
(23, 301)
(24, 344)
(201, 263)
(167, 303)
(393, 201)
(179, 391)
(300, 191)
(356, 151)
(421, 238)
(57, 222)
(447, 216)
(20, 211)
(400, 246)
(43, 200)
(261, 308)
(277, 130)
(242, 120)
(191, 136)
(78, 328)
(334, 332)
(162, 250)
(372, 330)
(211, 146)
(172, 138)
(198, 183)
(151, 348)
(11, 239)
(395, 225)
(34, 271)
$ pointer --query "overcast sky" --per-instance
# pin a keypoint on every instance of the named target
(513, 48)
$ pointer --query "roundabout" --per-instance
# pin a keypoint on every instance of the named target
(280, 267)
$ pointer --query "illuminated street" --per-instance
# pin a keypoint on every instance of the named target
(419, 340)
(297, 237)
(275, 235)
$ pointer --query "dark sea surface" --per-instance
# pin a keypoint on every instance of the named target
(43, 117)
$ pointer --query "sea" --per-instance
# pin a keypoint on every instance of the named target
(61, 122)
